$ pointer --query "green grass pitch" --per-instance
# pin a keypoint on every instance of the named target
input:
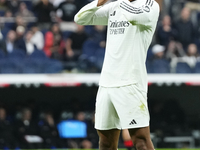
(124, 149)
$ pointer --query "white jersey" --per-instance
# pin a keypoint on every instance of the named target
(131, 26)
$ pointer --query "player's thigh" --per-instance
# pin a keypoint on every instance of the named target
(109, 138)
(106, 117)
(138, 134)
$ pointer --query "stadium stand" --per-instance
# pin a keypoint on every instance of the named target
(170, 39)
(99, 57)
(30, 66)
(160, 66)
(2, 54)
(9, 66)
(52, 66)
(177, 28)
(183, 67)
(197, 68)
(16, 54)
(89, 48)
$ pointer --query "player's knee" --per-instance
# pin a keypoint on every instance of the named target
(106, 145)
(141, 144)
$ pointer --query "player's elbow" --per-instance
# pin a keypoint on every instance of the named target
(78, 20)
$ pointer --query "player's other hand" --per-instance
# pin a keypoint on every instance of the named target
(101, 2)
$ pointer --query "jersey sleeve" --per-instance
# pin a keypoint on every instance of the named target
(90, 14)
(140, 13)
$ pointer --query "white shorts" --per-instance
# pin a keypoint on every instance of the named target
(121, 107)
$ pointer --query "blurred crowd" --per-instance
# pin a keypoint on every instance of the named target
(177, 39)
(34, 124)
(46, 27)
(25, 131)
(40, 36)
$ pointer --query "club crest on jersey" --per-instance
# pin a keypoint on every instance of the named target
(113, 14)
(146, 8)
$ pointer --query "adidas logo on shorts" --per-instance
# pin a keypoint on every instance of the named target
(133, 122)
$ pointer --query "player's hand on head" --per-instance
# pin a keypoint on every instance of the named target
(101, 2)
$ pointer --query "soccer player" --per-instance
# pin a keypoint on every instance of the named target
(122, 96)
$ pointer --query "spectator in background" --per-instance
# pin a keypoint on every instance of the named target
(53, 42)
(185, 28)
(29, 45)
(166, 36)
(192, 55)
(191, 58)
(37, 38)
(43, 10)
(56, 3)
(24, 128)
(158, 51)
(80, 116)
(165, 32)
(3, 5)
(6, 132)
(174, 50)
(86, 144)
(74, 43)
(8, 45)
(99, 35)
(19, 21)
(67, 10)
(13, 5)
(20, 30)
(23, 11)
(159, 63)
(8, 14)
(48, 131)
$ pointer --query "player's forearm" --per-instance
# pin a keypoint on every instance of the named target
(92, 14)
(84, 16)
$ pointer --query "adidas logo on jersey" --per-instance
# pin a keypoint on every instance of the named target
(132, 122)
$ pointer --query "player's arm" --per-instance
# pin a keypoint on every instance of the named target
(94, 13)
(142, 13)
